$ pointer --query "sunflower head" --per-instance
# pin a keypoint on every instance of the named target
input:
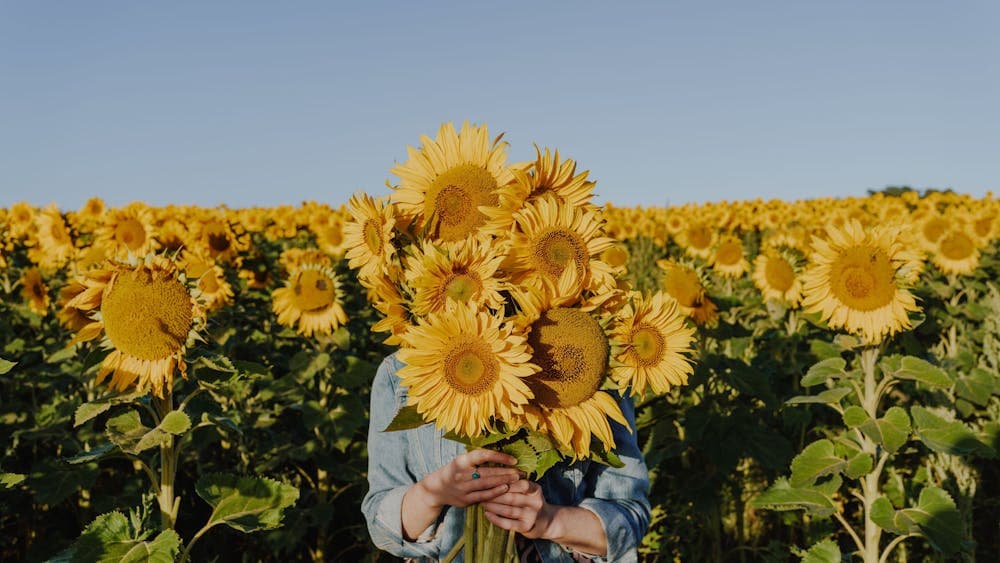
(311, 300)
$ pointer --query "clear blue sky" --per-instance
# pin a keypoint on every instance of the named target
(265, 103)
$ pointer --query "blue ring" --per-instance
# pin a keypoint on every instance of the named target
(475, 475)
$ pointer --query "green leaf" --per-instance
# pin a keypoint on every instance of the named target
(94, 454)
(111, 538)
(88, 411)
(10, 480)
(947, 437)
(6, 366)
(859, 464)
(826, 551)
(830, 396)
(247, 504)
(176, 423)
(977, 387)
(915, 369)
(53, 481)
(883, 514)
(782, 496)
(823, 370)
(408, 417)
(128, 433)
(823, 349)
(815, 461)
(855, 416)
(936, 518)
(894, 428)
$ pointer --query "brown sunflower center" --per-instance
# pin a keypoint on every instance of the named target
(462, 286)
(37, 290)
(983, 226)
(555, 248)
(616, 256)
(147, 315)
(572, 351)
(934, 228)
(683, 285)
(313, 289)
(131, 233)
(217, 237)
(729, 253)
(454, 197)
(779, 274)
(373, 237)
(699, 237)
(862, 278)
(470, 368)
(957, 246)
(647, 346)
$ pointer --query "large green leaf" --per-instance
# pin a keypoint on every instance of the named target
(826, 551)
(859, 464)
(54, 481)
(855, 416)
(408, 417)
(128, 433)
(816, 460)
(830, 396)
(111, 539)
(890, 431)
(823, 370)
(247, 504)
(977, 387)
(783, 496)
(916, 369)
(6, 366)
(883, 514)
(936, 518)
(950, 437)
(89, 410)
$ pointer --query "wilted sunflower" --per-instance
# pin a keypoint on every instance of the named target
(956, 253)
(683, 285)
(34, 291)
(776, 276)
(650, 344)
(856, 281)
(466, 369)
(149, 317)
(729, 259)
(551, 236)
(128, 230)
(443, 276)
(368, 235)
(446, 181)
(311, 300)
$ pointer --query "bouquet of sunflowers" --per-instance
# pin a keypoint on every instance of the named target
(500, 286)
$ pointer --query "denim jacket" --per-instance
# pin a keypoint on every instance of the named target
(396, 460)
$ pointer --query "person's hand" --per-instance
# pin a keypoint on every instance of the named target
(522, 509)
(467, 479)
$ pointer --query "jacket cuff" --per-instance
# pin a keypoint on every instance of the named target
(622, 545)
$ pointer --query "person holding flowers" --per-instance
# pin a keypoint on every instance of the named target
(504, 425)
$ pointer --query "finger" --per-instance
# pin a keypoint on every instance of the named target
(502, 508)
(483, 456)
(486, 495)
(483, 483)
(504, 523)
(523, 486)
(507, 473)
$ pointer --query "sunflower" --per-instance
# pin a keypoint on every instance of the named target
(547, 175)
(329, 233)
(218, 237)
(21, 221)
(464, 272)
(89, 216)
(572, 350)
(550, 237)
(172, 234)
(70, 317)
(698, 239)
(445, 182)
(368, 236)
(148, 316)
(856, 281)
(775, 275)
(34, 291)
(466, 370)
(729, 259)
(126, 231)
(931, 229)
(214, 290)
(956, 252)
(385, 297)
(684, 286)
(649, 345)
(55, 243)
(311, 300)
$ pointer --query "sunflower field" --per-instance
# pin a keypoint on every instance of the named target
(192, 384)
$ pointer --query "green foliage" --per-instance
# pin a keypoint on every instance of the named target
(247, 504)
(113, 538)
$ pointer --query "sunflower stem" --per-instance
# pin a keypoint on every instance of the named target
(869, 483)
(168, 466)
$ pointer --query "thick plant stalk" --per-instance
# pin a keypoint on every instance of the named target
(168, 502)
(484, 542)
(869, 483)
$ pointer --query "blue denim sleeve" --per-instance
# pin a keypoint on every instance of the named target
(620, 496)
(389, 474)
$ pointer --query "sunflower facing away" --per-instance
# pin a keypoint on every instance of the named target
(466, 369)
(856, 281)
(148, 316)
(311, 300)
(650, 345)
(444, 183)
